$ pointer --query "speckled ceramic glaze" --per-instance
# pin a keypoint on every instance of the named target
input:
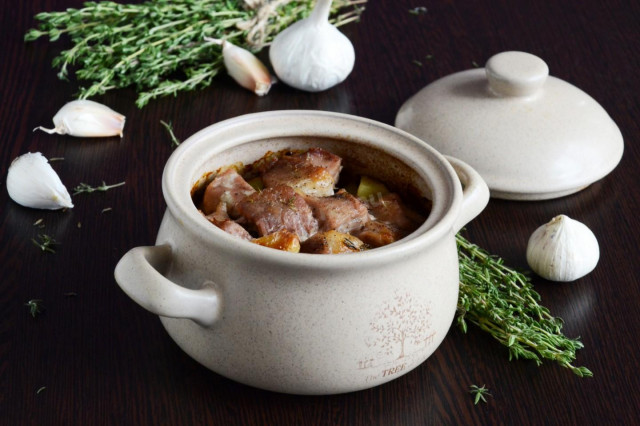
(304, 323)
(531, 136)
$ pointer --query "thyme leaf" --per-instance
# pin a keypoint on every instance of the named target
(480, 393)
(46, 243)
(35, 307)
(420, 10)
(86, 188)
(502, 302)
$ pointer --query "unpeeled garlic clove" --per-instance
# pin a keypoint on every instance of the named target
(32, 182)
(86, 118)
(562, 250)
(244, 67)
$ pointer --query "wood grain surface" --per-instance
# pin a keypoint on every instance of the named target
(94, 357)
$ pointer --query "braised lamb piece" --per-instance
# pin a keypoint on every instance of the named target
(221, 219)
(297, 208)
(341, 212)
(390, 209)
(314, 172)
(227, 188)
(277, 208)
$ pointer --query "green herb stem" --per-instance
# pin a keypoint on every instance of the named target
(503, 303)
(174, 140)
(86, 188)
(480, 393)
(158, 46)
(35, 307)
(45, 243)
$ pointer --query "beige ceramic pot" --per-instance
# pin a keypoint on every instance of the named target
(305, 323)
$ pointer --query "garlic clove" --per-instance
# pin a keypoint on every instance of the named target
(244, 67)
(562, 250)
(32, 182)
(312, 54)
(86, 118)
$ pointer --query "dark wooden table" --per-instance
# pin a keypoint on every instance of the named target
(94, 357)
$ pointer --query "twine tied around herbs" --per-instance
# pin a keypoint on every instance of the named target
(258, 34)
(257, 26)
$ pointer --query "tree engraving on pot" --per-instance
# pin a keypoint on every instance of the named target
(401, 328)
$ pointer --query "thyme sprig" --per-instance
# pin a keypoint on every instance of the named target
(174, 140)
(35, 307)
(86, 188)
(46, 243)
(158, 46)
(480, 393)
(502, 302)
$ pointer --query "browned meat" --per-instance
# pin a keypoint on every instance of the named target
(227, 188)
(313, 172)
(377, 234)
(321, 158)
(389, 208)
(277, 208)
(280, 240)
(222, 221)
(342, 212)
(331, 242)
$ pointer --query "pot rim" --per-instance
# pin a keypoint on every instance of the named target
(446, 191)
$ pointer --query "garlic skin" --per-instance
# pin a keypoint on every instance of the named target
(32, 182)
(244, 67)
(562, 250)
(312, 54)
(86, 118)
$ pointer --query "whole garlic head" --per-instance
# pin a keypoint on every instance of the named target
(312, 54)
(563, 250)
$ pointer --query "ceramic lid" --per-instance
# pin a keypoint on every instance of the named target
(531, 136)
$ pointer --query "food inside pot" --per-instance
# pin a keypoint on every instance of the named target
(307, 201)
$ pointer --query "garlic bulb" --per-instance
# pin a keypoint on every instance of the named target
(244, 67)
(562, 250)
(312, 54)
(86, 118)
(32, 182)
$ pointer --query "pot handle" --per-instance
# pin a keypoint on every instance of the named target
(475, 192)
(137, 274)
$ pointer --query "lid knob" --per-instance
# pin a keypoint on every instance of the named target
(516, 73)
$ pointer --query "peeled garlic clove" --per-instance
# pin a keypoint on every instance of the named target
(32, 182)
(86, 119)
(244, 67)
(563, 250)
(312, 54)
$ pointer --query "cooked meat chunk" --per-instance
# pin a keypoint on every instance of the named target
(313, 172)
(280, 240)
(220, 219)
(227, 188)
(342, 212)
(389, 208)
(277, 208)
(289, 200)
(331, 242)
(321, 158)
(377, 234)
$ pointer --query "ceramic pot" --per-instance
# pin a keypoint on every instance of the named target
(305, 323)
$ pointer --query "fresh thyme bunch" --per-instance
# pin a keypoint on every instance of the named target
(503, 303)
(158, 46)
